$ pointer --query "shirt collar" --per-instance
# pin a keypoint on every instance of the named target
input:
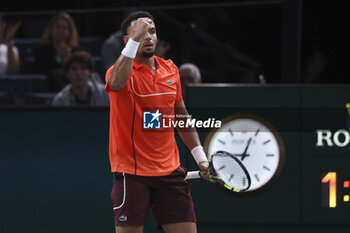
(138, 66)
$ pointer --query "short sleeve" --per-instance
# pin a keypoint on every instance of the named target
(108, 75)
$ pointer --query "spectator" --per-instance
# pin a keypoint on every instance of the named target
(314, 65)
(9, 55)
(78, 68)
(59, 40)
(189, 73)
(111, 49)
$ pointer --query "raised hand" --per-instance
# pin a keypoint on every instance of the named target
(204, 166)
(140, 27)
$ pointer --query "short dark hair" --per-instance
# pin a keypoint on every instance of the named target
(80, 57)
(133, 16)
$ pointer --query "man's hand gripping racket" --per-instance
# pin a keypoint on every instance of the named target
(226, 171)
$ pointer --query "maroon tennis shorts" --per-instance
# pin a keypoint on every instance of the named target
(168, 196)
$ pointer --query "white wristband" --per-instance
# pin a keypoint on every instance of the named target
(130, 48)
(199, 154)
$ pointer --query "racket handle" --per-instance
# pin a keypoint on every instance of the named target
(192, 175)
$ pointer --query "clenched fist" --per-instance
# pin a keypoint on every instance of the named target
(140, 27)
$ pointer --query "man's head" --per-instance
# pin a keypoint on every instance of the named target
(189, 73)
(78, 68)
(149, 41)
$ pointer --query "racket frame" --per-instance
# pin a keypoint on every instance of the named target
(221, 183)
(213, 174)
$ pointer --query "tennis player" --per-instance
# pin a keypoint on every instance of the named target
(145, 162)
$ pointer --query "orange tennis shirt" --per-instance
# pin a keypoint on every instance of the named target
(134, 149)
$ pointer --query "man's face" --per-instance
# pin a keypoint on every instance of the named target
(78, 75)
(148, 42)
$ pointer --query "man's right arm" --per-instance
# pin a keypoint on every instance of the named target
(123, 66)
(120, 73)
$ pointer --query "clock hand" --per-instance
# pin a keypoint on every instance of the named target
(246, 148)
(244, 154)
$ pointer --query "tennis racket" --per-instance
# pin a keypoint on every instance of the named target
(226, 171)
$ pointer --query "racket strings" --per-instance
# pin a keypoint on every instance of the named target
(230, 171)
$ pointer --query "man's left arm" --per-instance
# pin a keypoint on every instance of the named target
(190, 137)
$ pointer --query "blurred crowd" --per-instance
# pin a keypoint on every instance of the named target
(52, 65)
(59, 71)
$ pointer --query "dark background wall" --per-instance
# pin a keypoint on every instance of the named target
(231, 41)
(211, 35)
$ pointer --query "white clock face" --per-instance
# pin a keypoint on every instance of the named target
(254, 144)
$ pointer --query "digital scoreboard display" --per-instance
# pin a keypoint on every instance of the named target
(326, 193)
(335, 191)
(325, 155)
(330, 190)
